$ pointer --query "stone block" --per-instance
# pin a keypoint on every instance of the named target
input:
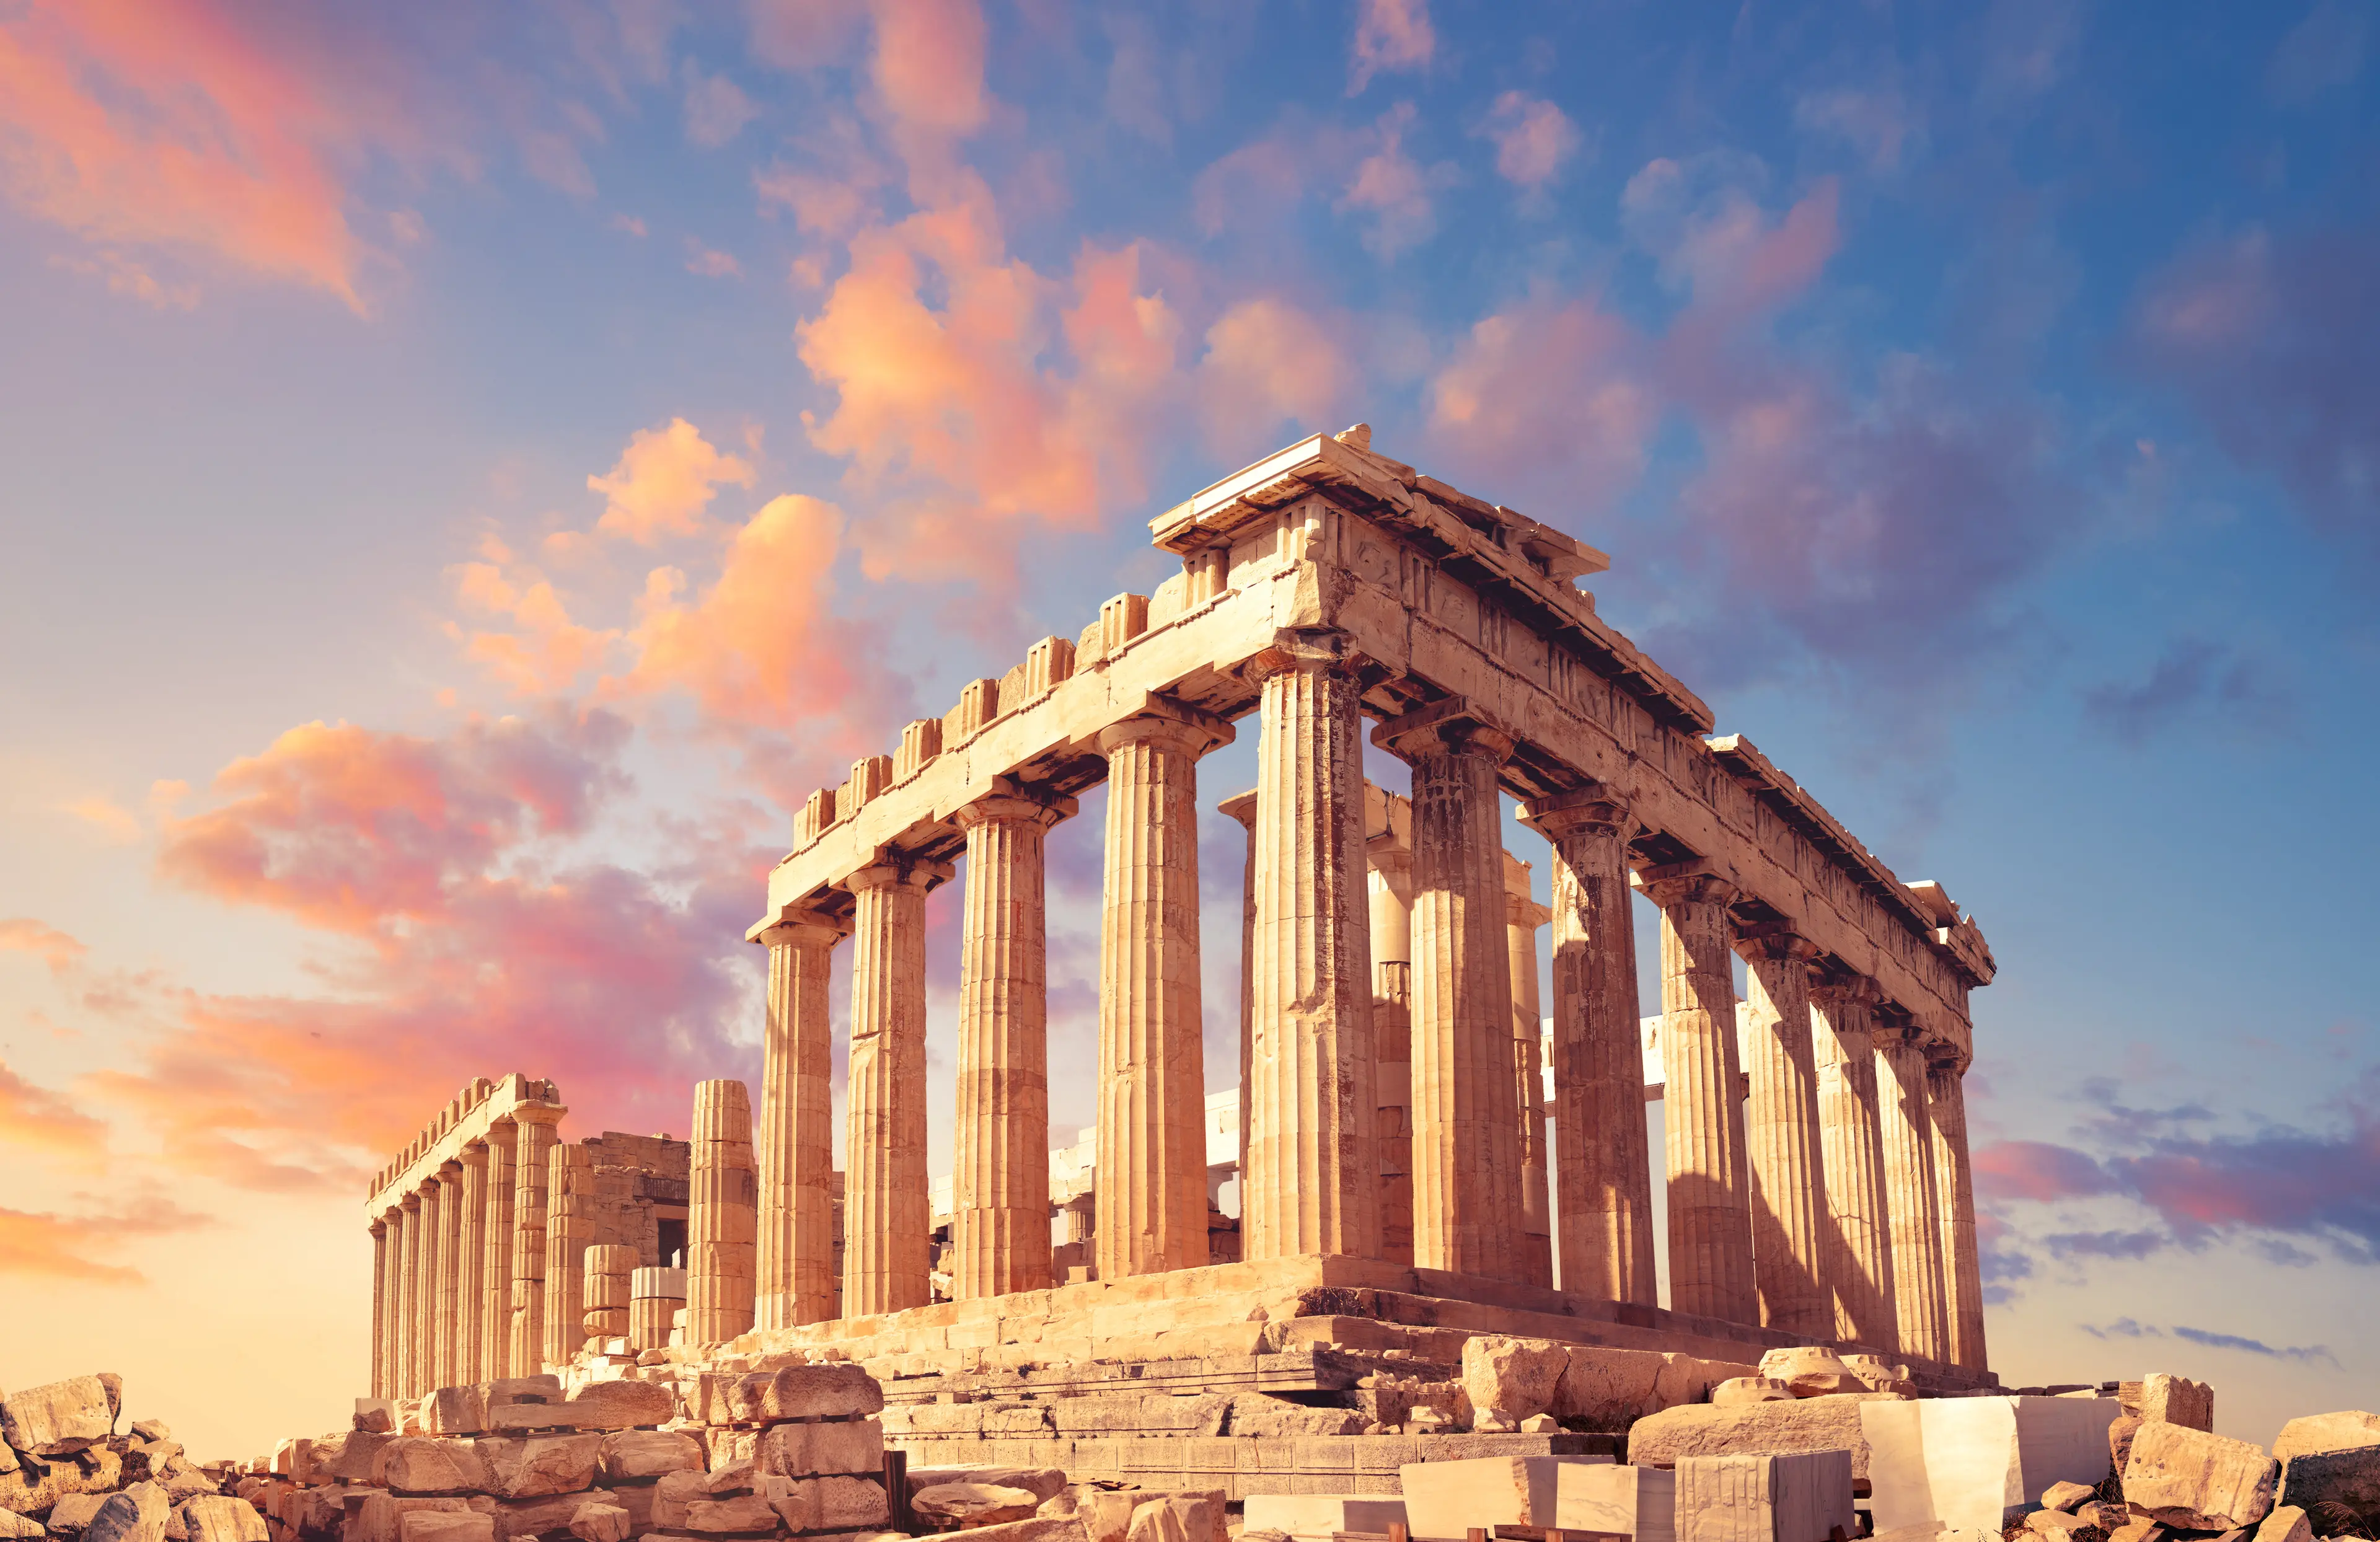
(1640, 1502)
(1257, 1415)
(964, 1504)
(421, 1464)
(2286, 1522)
(2177, 1400)
(36, 1486)
(743, 1515)
(2347, 1430)
(508, 1390)
(2066, 1495)
(672, 1494)
(1447, 1499)
(831, 1503)
(455, 1411)
(2188, 1478)
(621, 1405)
(519, 1418)
(541, 1466)
(1738, 1390)
(1178, 1517)
(1044, 1483)
(641, 1455)
(1105, 1514)
(1508, 1379)
(543, 1516)
(374, 1416)
(58, 1418)
(834, 1392)
(442, 1525)
(1041, 1528)
(809, 1450)
(1975, 1464)
(1811, 1370)
(1829, 1422)
(600, 1522)
(138, 1514)
(18, 1528)
(353, 1456)
(1800, 1497)
(221, 1518)
(1316, 1516)
(73, 1512)
(2347, 1475)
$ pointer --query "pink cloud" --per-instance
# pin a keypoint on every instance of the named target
(1560, 387)
(928, 64)
(1394, 188)
(53, 947)
(1270, 364)
(663, 483)
(1533, 137)
(1390, 35)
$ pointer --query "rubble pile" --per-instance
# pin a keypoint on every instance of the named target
(65, 1472)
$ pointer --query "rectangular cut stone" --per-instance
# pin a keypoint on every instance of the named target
(455, 1411)
(1974, 1464)
(1799, 1497)
(1447, 1499)
(423, 1465)
(2177, 1400)
(446, 1525)
(532, 1416)
(641, 1455)
(838, 1391)
(830, 1446)
(59, 1417)
(1641, 1502)
(2185, 1478)
(1319, 1515)
(621, 1405)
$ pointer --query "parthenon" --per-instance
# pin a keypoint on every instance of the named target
(1409, 1120)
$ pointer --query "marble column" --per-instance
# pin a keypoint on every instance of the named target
(1859, 1264)
(1710, 1209)
(496, 1271)
(569, 1230)
(1466, 1149)
(471, 1264)
(722, 1216)
(795, 1258)
(532, 1167)
(380, 1310)
(1604, 1186)
(1522, 917)
(405, 1377)
(1311, 1184)
(429, 1306)
(1151, 1134)
(1954, 1184)
(1784, 1148)
(1909, 1195)
(1391, 883)
(1000, 1190)
(1244, 808)
(887, 1207)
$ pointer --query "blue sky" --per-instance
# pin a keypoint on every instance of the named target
(472, 473)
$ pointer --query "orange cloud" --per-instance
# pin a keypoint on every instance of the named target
(1560, 387)
(60, 1246)
(54, 948)
(160, 121)
(1268, 363)
(550, 651)
(663, 483)
(1390, 35)
(38, 1117)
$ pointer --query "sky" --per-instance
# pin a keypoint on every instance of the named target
(472, 471)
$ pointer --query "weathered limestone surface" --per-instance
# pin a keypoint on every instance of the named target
(58, 1418)
(1830, 1423)
(887, 1190)
(497, 1249)
(1604, 1186)
(793, 1260)
(569, 1230)
(1954, 1186)
(533, 1167)
(2180, 1476)
(1710, 1221)
(1446, 1499)
(1466, 1158)
(722, 1219)
(1782, 1140)
(1152, 1138)
(1522, 917)
(1309, 1186)
(2351, 1429)
(1770, 1496)
(1859, 1257)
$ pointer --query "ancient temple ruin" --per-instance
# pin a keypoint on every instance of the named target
(1422, 1148)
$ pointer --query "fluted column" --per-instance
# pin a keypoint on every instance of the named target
(1000, 1190)
(1151, 1134)
(404, 1373)
(722, 1219)
(796, 1259)
(1954, 1184)
(532, 1167)
(452, 1207)
(1244, 808)
(887, 1207)
(1603, 1188)
(1466, 1148)
(430, 1304)
(1522, 917)
(569, 1230)
(1311, 1184)
(380, 1310)
(497, 1255)
(471, 1263)
(1710, 1212)
(1909, 1181)
(1391, 883)
(1784, 1148)
(1859, 1265)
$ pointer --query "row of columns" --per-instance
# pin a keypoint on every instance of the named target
(459, 1262)
(1834, 1201)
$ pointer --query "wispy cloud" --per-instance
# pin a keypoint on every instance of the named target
(2128, 1327)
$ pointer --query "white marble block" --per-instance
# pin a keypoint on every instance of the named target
(1974, 1464)
(1318, 1515)
(1447, 1499)
(1796, 1496)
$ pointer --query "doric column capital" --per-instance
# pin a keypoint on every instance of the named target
(1594, 809)
(1172, 725)
(1520, 910)
(503, 1132)
(538, 1113)
(1010, 803)
(475, 1154)
(805, 928)
(1453, 727)
(895, 871)
(450, 1171)
(378, 1228)
(1317, 650)
(412, 1201)
(1242, 808)
(1776, 944)
(1685, 883)
(1846, 991)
